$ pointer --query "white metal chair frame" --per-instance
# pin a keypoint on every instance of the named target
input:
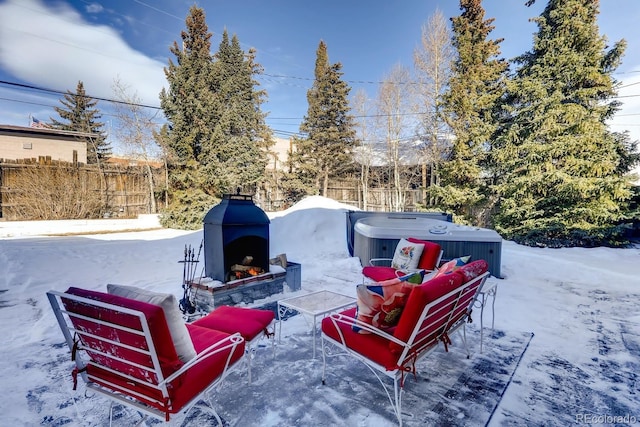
(250, 347)
(82, 360)
(431, 315)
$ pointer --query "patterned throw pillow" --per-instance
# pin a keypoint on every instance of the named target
(451, 266)
(407, 255)
(380, 304)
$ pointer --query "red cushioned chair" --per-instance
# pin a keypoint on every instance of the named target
(433, 311)
(123, 349)
(379, 269)
(251, 323)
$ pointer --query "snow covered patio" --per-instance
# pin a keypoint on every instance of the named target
(581, 305)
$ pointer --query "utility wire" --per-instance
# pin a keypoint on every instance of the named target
(153, 107)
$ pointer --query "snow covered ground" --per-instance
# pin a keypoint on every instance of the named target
(566, 349)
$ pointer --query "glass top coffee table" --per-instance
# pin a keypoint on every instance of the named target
(315, 304)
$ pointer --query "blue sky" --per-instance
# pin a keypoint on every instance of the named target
(53, 44)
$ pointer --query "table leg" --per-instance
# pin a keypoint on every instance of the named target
(282, 311)
(314, 337)
(481, 321)
(493, 308)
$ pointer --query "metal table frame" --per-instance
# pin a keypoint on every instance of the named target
(488, 290)
(319, 303)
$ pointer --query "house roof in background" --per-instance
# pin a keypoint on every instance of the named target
(10, 129)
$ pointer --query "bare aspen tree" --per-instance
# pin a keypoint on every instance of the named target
(432, 62)
(364, 152)
(396, 130)
(135, 130)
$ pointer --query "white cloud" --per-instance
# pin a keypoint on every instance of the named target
(94, 8)
(53, 47)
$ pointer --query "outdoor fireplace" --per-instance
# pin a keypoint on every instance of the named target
(236, 239)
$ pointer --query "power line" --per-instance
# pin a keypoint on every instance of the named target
(115, 101)
(153, 107)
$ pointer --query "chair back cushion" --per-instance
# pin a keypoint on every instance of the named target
(169, 303)
(97, 323)
(430, 254)
(435, 321)
(473, 269)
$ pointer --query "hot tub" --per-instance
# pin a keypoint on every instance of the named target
(377, 237)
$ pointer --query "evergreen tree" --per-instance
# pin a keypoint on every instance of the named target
(236, 155)
(559, 167)
(327, 149)
(80, 114)
(188, 105)
(475, 88)
(216, 135)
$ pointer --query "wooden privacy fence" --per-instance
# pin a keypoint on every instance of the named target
(43, 189)
(377, 198)
(347, 191)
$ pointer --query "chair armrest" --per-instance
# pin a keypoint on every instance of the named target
(231, 341)
(372, 261)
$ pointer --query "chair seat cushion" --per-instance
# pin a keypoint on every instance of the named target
(188, 385)
(249, 322)
(371, 346)
(199, 377)
(379, 273)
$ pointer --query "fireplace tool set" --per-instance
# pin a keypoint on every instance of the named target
(189, 267)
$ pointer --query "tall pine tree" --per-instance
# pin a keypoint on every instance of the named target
(188, 105)
(470, 104)
(559, 166)
(327, 149)
(216, 133)
(236, 154)
(80, 114)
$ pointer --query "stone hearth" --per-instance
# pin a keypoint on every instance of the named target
(208, 296)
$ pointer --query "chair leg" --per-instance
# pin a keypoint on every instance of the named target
(213, 410)
(324, 362)
(143, 417)
(249, 355)
(464, 340)
(398, 396)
